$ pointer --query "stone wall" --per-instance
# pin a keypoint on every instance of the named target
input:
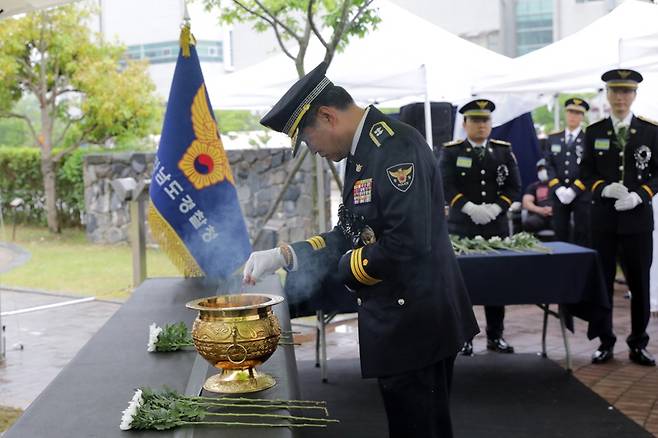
(259, 176)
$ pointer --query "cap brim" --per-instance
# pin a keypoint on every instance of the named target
(577, 108)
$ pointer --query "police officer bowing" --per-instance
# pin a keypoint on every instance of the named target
(565, 150)
(391, 247)
(481, 179)
(620, 168)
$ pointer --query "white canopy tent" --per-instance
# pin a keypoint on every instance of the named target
(14, 7)
(626, 37)
(406, 59)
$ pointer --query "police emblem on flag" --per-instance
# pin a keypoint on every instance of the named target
(401, 176)
(204, 162)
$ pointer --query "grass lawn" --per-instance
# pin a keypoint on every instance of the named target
(69, 263)
(8, 416)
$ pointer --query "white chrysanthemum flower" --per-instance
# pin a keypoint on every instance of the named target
(507, 240)
(129, 413)
(495, 239)
(478, 237)
(154, 332)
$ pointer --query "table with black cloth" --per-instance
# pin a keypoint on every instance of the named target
(568, 275)
(87, 397)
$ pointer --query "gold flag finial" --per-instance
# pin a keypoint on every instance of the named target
(186, 38)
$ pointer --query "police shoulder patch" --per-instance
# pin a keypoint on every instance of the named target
(644, 119)
(500, 142)
(380, 132)
(452, 143)
(401, 175)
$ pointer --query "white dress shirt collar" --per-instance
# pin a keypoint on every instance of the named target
(357, 134)
(616, 123)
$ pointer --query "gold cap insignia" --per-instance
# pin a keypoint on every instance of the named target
(624, 73)
(482, 104)
(577, 101)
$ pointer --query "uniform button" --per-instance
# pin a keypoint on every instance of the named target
(639, 177)
(401, 301)
(484, 183)
(600, 153)
(358, 301)
(566, 163)
(568, 153)
(463, 173)
(483, 171)
(621, 167)
(621, 154)
(484, 193)
(566, 172)
(567, 180)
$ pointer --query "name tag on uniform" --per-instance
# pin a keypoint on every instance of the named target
(602, 144)
(556, 148)
(465, 162)
(362, 191)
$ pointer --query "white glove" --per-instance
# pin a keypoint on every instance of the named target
(493, 210)
(478, 213)
(614, 190)
(568, 195)
(559, 192)
(262, 262)
(629, 202)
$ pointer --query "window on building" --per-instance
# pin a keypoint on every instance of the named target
(158, 53)
(534, 25)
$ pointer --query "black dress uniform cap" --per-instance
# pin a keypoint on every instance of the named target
(576, 104)
(621, 78)
(478, 108)
(287, 114)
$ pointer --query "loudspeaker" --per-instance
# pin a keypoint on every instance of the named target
(443, 121)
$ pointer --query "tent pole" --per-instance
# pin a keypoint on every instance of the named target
(556, 112)
(428, 111)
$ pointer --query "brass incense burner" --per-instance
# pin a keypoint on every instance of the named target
(236, 333)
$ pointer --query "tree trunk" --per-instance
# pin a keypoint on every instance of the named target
(50, 191)
(48, 170)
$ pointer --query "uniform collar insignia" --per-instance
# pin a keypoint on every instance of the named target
(358, 167)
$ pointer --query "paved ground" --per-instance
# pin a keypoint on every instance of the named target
(39, 344)
(628, 387)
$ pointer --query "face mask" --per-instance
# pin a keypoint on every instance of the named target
(542, 175)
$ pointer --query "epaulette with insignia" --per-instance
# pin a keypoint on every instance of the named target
(452, 143)
(644, 119)
(500, 142)
(380, 132)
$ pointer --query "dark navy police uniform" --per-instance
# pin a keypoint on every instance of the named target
(391, 247)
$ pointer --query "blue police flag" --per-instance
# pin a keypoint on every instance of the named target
(194, 213)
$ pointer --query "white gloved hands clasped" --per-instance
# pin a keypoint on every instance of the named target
(493, 209)
(615, 190)
(566, 195)
(628, 202)
(479, 214)
(262, 262)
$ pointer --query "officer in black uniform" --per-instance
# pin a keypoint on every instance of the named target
(481, 179)
(564, 153)
(391, 247)
(620, 168)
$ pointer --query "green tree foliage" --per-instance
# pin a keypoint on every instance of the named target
(86, 90)
(294, 22)
(237, 120)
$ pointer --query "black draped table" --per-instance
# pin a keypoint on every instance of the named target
(87, 397)
(568, 275)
